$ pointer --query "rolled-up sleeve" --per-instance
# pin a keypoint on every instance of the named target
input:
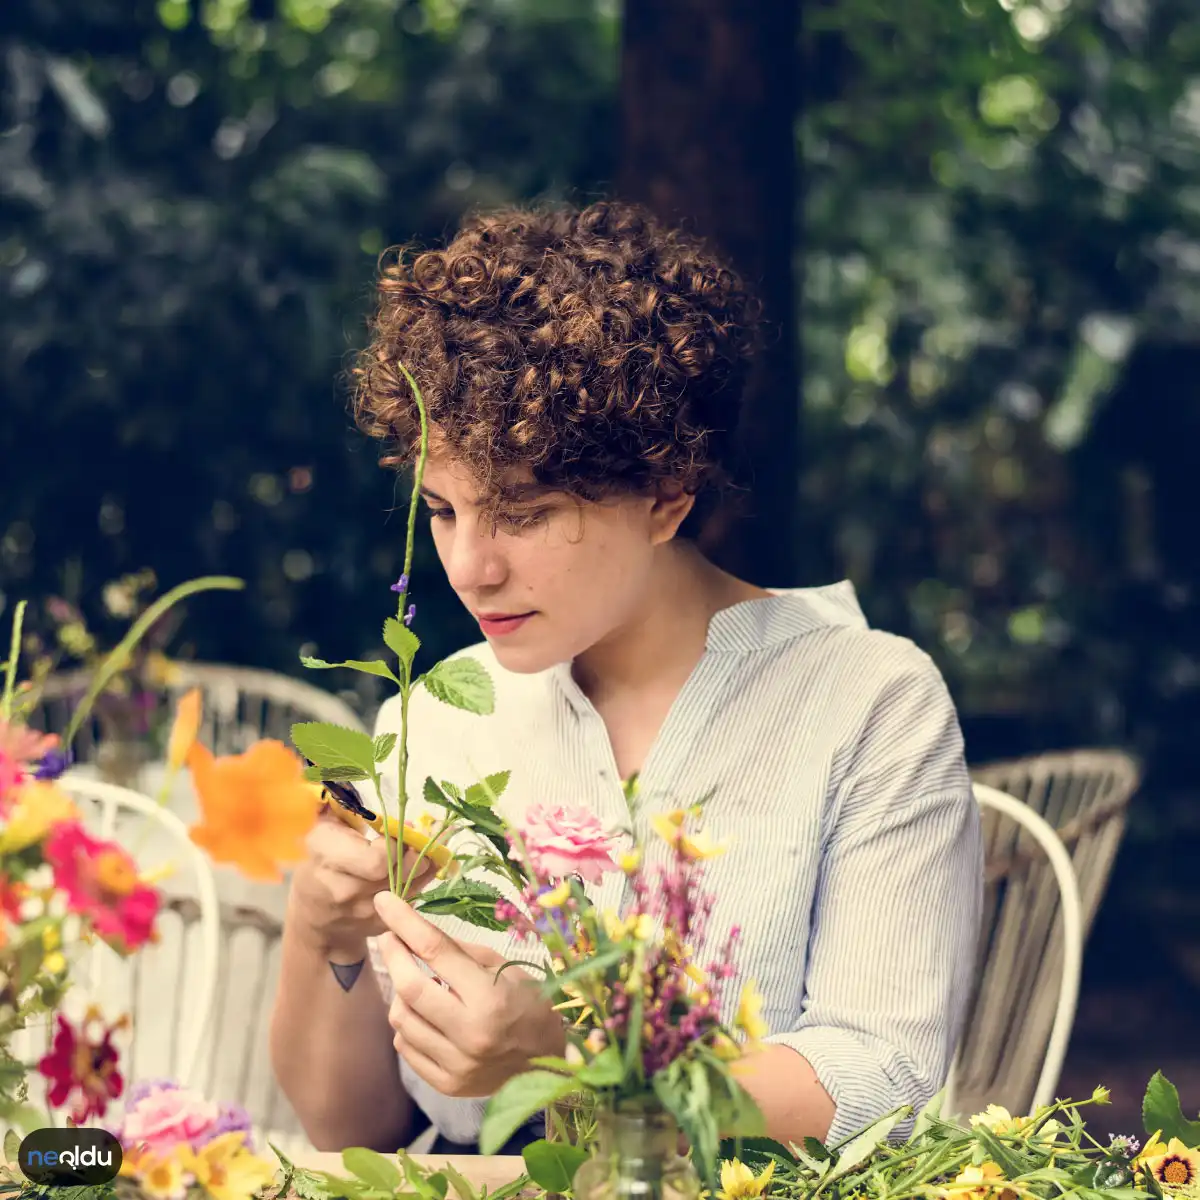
(895, 919)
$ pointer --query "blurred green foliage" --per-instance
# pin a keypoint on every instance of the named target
(1001, 280)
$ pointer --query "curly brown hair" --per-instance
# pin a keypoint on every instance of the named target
(600, 349)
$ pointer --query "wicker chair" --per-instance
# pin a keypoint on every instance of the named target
(241, 704)
(1083, 795)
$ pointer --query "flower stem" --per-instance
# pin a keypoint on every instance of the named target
(399, 884)
(10, 667)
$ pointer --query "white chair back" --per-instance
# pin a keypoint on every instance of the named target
(169, 988)
(1028, 967)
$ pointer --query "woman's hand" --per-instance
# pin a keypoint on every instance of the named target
(472, 1032)
(331, 904)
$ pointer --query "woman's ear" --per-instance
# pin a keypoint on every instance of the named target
(667, 511)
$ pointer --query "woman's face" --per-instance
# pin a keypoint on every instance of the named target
(558, 576)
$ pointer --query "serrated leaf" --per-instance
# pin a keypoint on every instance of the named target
(328, 745)
(607, 1069)
(1162, 1111)
(521, 1098)
(401, 641)
(368, 666)
(552, 1165)
(461, 683)
(372, 1168)
(385, 743)
(485, 795)
(467, 899)
(860, 1147)
(335, 774)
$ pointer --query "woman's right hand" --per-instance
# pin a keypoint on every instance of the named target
(331, 905)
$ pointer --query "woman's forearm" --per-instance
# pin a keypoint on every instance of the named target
(332, 1053)
(785, 1087)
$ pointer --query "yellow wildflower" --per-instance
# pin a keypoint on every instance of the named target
(639, 926)
(749, 1014)
(978, 1183)
(738, 1181)
(53, 963)
(161, 1179)
(226, 1170)
(40, 806)
(185, 729)
(998, 1119)
(1173, 1165)
(556, 897)
(630, 861)
(670, 828)
(725, 1048)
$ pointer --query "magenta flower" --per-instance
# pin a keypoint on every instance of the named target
(566, 841)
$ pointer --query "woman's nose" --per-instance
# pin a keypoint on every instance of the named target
(475, 559)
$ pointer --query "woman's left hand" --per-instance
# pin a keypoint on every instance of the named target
(470, 1037)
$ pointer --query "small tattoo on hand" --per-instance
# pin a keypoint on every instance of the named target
(347, 973)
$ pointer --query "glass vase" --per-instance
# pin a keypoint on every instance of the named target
(636, 1156)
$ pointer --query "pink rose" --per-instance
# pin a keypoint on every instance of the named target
(566, 841)
(165, 1117)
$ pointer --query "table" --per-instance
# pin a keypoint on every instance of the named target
(494, 1171)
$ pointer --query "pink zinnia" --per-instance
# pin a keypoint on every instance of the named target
(566, 841)
(101, 884)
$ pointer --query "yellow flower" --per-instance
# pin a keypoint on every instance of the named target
(738, 1181)
(998, 1119)
(639, 926)
(40, 806)
(725, 1048)
(670, 828)
(1174, 1166)
(185, 729)
(53, 963)
(557, 897)
(161, 671)
(226, 1170)
(161, 1178)
(749, 1014)
(630, 861)
(978, 1183)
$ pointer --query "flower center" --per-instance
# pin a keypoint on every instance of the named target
(114, 873)
(1176, 1171)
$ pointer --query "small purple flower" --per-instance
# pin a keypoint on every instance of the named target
(139, 1091)
(1123, 1144)
(53, 763)
(401, 585)
(408, 616)
(233, 1119)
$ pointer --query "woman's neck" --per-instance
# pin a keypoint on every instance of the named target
(659, 648)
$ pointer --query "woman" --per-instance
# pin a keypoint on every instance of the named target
(583, 371)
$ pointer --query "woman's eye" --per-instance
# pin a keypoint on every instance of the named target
(525, 519)
(440, 514)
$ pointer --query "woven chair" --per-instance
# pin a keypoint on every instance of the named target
(1011, 1034)
(241, 704)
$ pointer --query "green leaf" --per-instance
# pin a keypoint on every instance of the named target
(928, 1114)
(1005, 1157)
(430, 1187)
(370, 666)
(859, 1148)
(757, 1152)
(467, 899)
(385, 743)
(607, 1069)
(461, 683)
(521, 1098)
(460, 1184)
(327, 745)
(816, 1149)
(612, 954)
(335, 774)
(1161, 1111)
(485, 794)
(401, 641)
(552, 1165)
(372, 1168)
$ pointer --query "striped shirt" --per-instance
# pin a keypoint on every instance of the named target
(854, 864)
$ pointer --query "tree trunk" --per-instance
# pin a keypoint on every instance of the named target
(708, 105)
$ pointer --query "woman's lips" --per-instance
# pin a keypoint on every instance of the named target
(497, 625)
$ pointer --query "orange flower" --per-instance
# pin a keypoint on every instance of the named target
(256, 808)
(185, 729)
